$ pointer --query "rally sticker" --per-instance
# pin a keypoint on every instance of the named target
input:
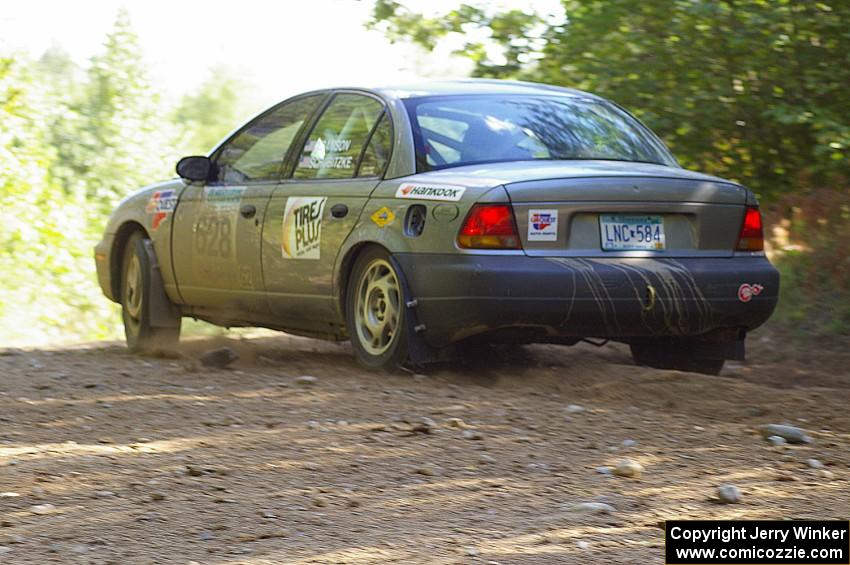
(542, 225)
(383, 217)
(302, 227)
(223, 198)
(160, 205)
(445, 192)
(747, 291)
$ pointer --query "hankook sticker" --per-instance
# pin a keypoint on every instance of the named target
(444, 192)
(302, 227)
(542, 225)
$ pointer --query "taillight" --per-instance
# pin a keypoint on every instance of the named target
(751, 237)
(489, 226)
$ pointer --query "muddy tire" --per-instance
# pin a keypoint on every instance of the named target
(660, 356)
(375, 312)
(136, 301)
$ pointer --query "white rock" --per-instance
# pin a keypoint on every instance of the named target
(628, 468)
(814, 464)
(306, 380)
(629, 443)
(472, 434)
(791, 434)
(604, 470)
(776, 440)
(594, 508)
(728, 494)
(471, 551)
(582, 545)
(574, 408)
(42, 508)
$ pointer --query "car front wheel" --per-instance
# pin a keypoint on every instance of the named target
(375, 311)
(136, 301)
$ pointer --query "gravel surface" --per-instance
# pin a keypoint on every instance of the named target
(296, 455)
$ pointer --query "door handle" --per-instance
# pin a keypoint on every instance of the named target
(339, 210)
(247, 210)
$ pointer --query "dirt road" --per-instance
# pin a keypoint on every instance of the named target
(110, 458)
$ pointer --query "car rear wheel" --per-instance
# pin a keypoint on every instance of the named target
(374, 312)
(663, 356)
(136, 301)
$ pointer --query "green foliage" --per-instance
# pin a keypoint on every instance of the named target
(752, 90)
(72, 144)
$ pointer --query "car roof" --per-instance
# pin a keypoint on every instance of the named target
(479, 86)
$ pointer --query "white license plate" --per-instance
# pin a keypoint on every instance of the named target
(626, 233)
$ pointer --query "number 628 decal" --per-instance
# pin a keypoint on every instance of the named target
(213, 236)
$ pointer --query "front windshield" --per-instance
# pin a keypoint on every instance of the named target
(451, 131)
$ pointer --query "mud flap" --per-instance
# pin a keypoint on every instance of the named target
(162, 312)
(418, 352)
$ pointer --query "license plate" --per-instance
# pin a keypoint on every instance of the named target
(627, 233)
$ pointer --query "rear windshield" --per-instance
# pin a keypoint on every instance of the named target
(450, 131)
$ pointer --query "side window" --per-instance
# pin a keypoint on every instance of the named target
(378, 151)
(335, 144)
(257, 152)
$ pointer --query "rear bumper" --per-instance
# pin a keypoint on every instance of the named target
(540, 299)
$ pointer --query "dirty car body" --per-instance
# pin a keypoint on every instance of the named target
(491, 210)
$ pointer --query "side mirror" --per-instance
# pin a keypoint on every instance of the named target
(194, 168)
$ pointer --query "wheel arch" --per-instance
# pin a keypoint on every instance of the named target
(123, 234)
(346, 265)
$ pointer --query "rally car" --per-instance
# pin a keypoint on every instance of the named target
(412, 219)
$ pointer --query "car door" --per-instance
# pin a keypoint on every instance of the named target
(313, 211)
(217, 235)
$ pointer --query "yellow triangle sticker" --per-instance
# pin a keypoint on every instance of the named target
(383, 217)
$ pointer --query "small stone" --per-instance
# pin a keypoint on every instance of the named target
(594, 508)
(104, 494)
(472, 435)
(776, 441)
(582, 544)
(574, 409)
(628, 468)
(13, 538)
(353, 503)
(728, 494)
(814, 464)
(156, 496)
(4, 549)
(456, 423)
(194, 471)
(319, 502)
(306, 380)
(485, 459)
(471, 551)
(429, 470)
(42, 509)
(629, 443)
(605, 470)
(218, 358)
(791, 434)
(827, 474)
(206, 536)
(424, 426)
(37, 492)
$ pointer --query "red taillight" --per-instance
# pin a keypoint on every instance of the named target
(751, 237)
(489, 226)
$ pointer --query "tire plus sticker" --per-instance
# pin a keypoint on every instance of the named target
(542, 225)
(302, 227)
(160, 205)
(448, 193)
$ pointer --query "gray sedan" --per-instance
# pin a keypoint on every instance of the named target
(414, 219)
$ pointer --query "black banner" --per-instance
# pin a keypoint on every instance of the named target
(757, 542)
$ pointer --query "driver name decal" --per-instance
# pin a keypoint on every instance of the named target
(443, 192)
(302, 227)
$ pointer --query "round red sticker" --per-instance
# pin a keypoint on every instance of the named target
(747, 291)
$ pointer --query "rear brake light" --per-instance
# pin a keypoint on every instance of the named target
(751, 237)
(489, 226)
